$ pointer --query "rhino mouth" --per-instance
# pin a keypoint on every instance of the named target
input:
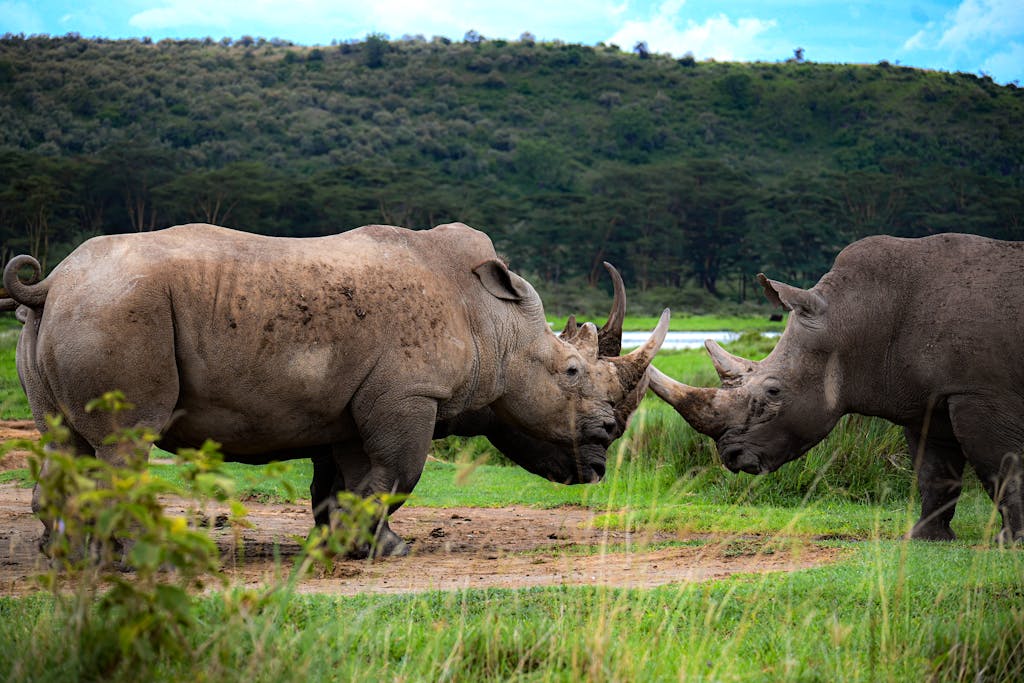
(589, 465)
(592, 473)
(738, 458)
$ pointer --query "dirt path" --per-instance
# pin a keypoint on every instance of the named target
(509, 547)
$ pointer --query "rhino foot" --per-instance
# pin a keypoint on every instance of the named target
(387, 544)
(1007, 537)
(931, 531)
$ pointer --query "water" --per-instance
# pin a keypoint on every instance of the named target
(678, 340)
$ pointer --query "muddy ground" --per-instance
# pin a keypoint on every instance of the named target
(452, 548)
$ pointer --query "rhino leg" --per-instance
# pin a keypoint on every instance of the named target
(76, 444)
(939, 465)
(993, 444)
(323, 490)
(396, 436)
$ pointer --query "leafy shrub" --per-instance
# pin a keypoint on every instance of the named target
(124, 573)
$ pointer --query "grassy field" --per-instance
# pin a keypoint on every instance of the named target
(892, 610)
(686, 323)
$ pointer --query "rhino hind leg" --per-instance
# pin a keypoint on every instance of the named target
(993, 443)
(75, 444)
(939, 466)
(323, 489)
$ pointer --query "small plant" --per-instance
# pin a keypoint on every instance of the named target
(354, 526)
(124, 572)
(107, 519)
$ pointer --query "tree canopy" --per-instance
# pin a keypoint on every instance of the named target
(685, 174)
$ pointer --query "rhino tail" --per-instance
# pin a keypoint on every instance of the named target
(31, 292)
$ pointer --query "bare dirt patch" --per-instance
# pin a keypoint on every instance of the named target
(452, 548)
(510, 547)
(16, 429)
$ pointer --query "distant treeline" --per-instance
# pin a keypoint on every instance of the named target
(687, 175)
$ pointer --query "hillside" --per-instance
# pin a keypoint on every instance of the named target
(687, 175)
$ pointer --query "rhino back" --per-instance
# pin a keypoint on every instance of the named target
(945, 313)
(270, 337)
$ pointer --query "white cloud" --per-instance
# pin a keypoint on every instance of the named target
(976, 20)
(717, 38)
(917, 41)
(20, 17)
(181, 13)
(979, 35)
(451, 18)
(238, 16)
(1007, 65)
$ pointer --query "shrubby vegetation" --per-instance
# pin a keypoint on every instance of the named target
(690, 176)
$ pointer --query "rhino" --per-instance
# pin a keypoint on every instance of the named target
(354, 350)
(923, 332)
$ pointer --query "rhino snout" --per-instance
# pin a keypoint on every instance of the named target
(738, 459)
(603, 432)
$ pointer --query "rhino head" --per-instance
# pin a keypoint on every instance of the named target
(768, 412)
(560, 425)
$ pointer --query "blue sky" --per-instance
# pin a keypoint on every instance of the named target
(974, 36)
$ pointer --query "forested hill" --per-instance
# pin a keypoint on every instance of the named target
(686, 174)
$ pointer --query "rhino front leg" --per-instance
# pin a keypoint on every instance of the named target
(351, 464)
(994, 448)
(396, 440)
(939, 465)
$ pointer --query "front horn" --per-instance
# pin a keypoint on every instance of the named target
(632, 366)
(695, 404)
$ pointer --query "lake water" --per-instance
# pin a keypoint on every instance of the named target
(678, 340)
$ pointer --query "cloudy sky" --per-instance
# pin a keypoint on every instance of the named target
(974, 36)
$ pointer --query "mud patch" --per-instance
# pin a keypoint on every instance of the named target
(454, 548)
(16, 429)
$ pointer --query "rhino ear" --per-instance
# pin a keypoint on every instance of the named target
(500, 281)
(571, 330)
(805, 303)
(586, 342)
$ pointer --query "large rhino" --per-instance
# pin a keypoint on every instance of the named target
(924, 332)
(354, 350)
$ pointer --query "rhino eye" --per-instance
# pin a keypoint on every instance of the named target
(572, 371)
(773, 392)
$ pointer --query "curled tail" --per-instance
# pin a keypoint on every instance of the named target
(31, 293)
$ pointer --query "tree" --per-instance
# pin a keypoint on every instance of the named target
(375, 47)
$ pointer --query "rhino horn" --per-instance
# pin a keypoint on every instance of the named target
(695, 404)
(633, 365)
(610, 336)
(730, 368)
(570, 331)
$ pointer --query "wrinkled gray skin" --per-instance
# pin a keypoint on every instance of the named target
(923, 332)
(537, 456)
(354, 349)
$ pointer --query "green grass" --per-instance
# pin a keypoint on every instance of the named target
(893, 611)
(682, 322)
(889, 610)
(13, 403)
